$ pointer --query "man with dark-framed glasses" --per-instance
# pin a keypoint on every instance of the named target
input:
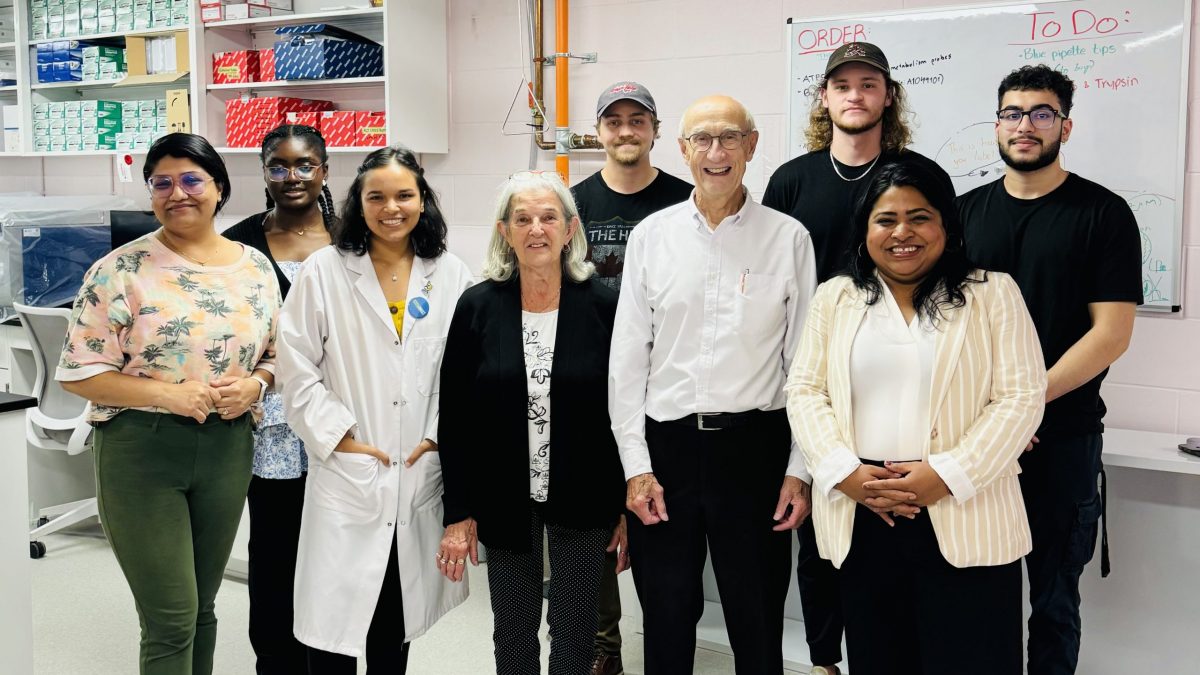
(1074, 249)
(713, 297)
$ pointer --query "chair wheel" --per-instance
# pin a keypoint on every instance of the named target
(36, 549)
(42, 521)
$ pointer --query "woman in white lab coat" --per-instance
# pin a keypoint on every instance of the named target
(360, 347)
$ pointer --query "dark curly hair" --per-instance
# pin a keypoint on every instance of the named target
(940, 289)
(1038, 78)
(315, 141)
(195, 149)
(428, 237)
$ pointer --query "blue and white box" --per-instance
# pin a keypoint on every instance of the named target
(319, 51)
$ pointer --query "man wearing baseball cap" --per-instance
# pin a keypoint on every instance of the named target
(857, 124)
(611, 202)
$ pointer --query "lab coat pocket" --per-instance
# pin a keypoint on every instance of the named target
(428, 354)
(346, 483)
(758, 309)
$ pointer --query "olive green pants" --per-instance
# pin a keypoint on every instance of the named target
(170, 494)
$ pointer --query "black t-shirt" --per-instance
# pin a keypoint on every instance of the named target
(608, 217)
(1077, 245)
(807, 189)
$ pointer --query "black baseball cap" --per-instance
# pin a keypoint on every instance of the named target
(858, 52)
(625, 91)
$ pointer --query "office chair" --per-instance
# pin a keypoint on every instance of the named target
(59, 421)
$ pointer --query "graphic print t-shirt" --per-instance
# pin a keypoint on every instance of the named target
(608, 217)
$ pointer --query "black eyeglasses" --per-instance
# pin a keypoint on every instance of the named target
(278, 174)
(1041, 117)
(730, 140)
(191, 183)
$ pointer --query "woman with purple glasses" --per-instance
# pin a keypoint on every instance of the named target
(172, 339)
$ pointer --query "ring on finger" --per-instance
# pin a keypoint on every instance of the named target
(459, 561)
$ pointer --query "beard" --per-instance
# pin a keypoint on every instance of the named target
(626, 156)
(859, 128)
(1046, 157)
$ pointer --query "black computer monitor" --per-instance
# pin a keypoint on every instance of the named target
(129, 225)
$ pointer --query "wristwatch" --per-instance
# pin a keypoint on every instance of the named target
(262, 391)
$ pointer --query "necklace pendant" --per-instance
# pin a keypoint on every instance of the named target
(300, 232)
(394, 278)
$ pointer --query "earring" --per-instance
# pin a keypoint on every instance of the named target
(567, 248)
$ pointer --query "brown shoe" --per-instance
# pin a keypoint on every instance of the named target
(607, 664)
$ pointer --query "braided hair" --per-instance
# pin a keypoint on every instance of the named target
(317, 142)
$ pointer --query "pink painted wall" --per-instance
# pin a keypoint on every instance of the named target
(737, 48)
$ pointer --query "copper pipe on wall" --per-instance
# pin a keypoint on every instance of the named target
(562, 119)
(573, 141)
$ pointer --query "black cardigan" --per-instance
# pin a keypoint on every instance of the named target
(483, 431)
(250, 232)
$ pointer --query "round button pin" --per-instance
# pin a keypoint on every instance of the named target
(418, 308)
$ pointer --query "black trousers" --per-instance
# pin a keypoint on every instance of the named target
(721, 488)
(275, 506)
(820, 599)
(387, 652)
(909, 611)
(1059, 482)
(515, 583)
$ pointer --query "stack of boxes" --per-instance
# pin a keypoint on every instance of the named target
(50, 19)
(231, 10)
(73, 126)
(142, 122)
(248, 120)
(73, 60)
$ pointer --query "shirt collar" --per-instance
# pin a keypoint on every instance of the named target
(735, 220)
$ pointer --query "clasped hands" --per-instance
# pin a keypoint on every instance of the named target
(895, 489)
(230, 396)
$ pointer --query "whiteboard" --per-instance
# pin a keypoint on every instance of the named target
(1129, 62)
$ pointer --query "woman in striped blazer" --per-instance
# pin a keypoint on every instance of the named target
(918, 382)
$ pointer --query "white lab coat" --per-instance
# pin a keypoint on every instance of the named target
(340, 366)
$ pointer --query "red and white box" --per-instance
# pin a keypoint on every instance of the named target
(266, 65)
(237, 67)
(308, 119)
(248, 120)
(339, 128)
(371, 128)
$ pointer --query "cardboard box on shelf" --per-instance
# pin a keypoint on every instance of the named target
(318, 51)
(371, 129)
(106, 24)
(308, 119)
(71, 109)
(39, 111)
(41, 144)
(179, 113)
(337, 126)
(266, 65)
(235, 67)
(41, 127)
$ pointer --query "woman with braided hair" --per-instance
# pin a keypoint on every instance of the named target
(298, 221)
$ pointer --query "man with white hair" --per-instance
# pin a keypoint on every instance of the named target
(713, 298)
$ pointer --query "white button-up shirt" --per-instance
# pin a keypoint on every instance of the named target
(708, 320)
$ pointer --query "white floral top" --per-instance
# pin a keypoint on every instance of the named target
(538, 331)
(278, 451)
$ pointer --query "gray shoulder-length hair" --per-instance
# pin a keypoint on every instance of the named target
(501, 260)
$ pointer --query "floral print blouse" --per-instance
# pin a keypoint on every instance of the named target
(146, 311)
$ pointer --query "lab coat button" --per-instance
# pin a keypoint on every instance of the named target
(389, 524)
(402, 523)
(403, 401)
(395, 402)
(397, 343)
(933, 434)
(394, 463)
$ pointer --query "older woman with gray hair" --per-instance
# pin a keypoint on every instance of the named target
(513, 465)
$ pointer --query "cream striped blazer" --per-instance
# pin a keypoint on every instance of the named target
(986, 401)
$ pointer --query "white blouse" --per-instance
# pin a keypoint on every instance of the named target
(891, 372)
(537, 332)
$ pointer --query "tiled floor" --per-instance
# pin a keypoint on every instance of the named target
(85, 624)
